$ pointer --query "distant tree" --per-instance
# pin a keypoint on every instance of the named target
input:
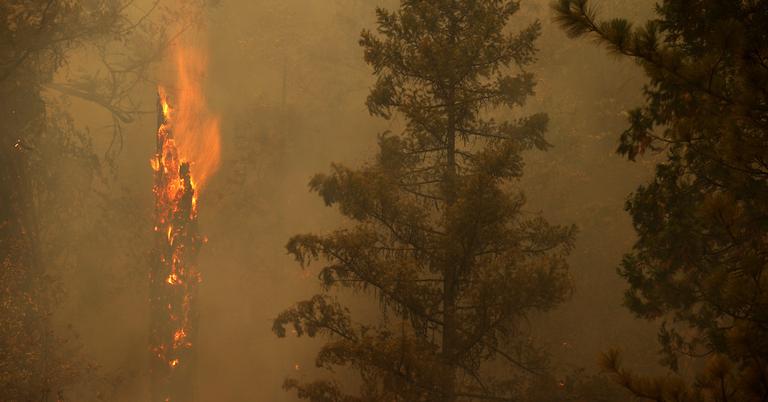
(702, 221)
(439, 236)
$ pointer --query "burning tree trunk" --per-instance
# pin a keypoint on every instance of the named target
(174, 276)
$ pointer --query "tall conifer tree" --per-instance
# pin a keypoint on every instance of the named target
(439, 235)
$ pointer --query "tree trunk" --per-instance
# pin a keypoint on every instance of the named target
(173, 276)
(449, 274)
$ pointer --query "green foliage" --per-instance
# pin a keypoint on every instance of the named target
(700, 257)
(439, 236)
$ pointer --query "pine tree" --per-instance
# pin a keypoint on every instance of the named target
(439, 238)
(701, 255)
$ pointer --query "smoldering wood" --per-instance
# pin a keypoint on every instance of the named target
(173, 277)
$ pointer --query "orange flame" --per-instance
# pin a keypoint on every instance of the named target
(195, 129)
(188, 154)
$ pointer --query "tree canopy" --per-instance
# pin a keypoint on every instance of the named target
(700, 257)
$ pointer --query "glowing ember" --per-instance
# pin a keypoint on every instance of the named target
(173, 279)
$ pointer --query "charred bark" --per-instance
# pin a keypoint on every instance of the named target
(173, 277)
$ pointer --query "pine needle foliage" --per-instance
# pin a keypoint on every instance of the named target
(700, 258)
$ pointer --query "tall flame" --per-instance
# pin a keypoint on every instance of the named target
(195, 128)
